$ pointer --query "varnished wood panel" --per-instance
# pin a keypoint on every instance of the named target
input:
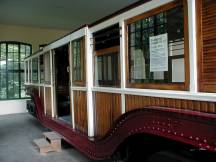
(48, 101)
(30, 88)
(80, 111)
(137, 102)
(42, 95)
(107, 110)
(206, 22)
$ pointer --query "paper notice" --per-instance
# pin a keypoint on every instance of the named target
(158, 53)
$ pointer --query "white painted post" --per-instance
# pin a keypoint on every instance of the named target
(31, 70)
(89, 82)
(25, 72)
(192, 45)
(39, 75)
(72, 107)
(39, 69)
(44, 85)
(28, 75)
(52, 83)
(122, 61)
(71, 85)
(44, 100)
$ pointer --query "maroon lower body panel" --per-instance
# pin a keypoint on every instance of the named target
(189, 127)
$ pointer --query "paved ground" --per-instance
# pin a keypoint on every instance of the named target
(16, 135)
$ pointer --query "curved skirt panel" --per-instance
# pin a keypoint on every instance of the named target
(189, 127)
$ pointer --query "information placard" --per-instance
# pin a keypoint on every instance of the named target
(158, 53)
(139, 65)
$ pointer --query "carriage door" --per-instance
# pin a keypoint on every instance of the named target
(61, 83)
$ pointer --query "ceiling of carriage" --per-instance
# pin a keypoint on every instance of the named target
(57, 14)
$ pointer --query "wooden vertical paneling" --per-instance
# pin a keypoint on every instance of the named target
(177, 103)
(204, 106)
(191, 105)
(42, 95)
(212, 107)
(48, 101)
(137, 102)
(206, 33)
(183, 104)
(80, 111)
(107, 110)
(32, 88)
(197, 106)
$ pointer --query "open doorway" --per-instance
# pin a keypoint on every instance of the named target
(62, 88)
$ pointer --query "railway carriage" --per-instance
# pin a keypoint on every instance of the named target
(144, 77)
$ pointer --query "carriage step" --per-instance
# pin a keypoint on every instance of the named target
(51, 136)
(51, 141)
(54, 139)
(43, 145)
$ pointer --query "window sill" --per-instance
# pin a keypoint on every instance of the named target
(79, 83)
(159, 86)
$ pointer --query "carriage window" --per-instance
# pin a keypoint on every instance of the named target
(35, 70)
(107, 69)
(107, 57)
(156, 50)
(78, 56)
(47, 70)
(41, 59)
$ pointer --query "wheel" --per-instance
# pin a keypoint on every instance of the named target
(168, 156)
(148, 156)
(131, 155)
(122, 156)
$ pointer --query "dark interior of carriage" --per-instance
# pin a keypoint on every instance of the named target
(62, 83)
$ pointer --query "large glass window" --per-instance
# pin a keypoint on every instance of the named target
(156, 49)
(107, 71)
(12, 56)
(78, 56)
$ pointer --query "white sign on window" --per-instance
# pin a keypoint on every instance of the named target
(139, 65)
(158, 53)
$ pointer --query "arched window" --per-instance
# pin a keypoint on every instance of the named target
(12, 56)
